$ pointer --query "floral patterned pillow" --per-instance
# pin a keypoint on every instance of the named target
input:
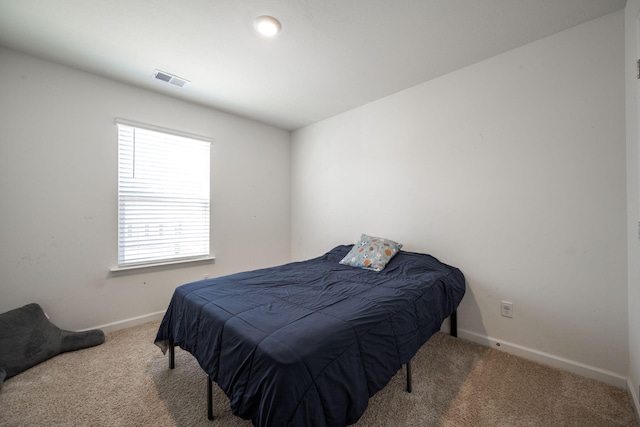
(371, 253)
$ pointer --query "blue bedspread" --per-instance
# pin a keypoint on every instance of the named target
(307, 343)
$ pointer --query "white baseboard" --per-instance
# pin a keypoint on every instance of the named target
(127, 323)
(518, 350)
(548, 359)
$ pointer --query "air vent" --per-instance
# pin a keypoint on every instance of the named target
(170, 78)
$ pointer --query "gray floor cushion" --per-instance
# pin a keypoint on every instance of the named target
(27, 338)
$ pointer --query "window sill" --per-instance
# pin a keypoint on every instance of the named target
(133, 268)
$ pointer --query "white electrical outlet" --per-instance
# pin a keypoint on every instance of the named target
(506, 308)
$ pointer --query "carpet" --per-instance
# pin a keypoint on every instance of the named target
(127, 382)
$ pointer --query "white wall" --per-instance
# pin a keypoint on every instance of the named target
(512, 169)
(632, 53)
(58, 192)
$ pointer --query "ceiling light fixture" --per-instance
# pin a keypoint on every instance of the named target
(267, 25)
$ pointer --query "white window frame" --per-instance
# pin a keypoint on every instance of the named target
(163, 217)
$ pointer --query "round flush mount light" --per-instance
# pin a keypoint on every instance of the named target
(268, 26)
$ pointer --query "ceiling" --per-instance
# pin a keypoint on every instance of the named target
(331, 55)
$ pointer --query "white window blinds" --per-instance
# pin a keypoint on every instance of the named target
(163, 196)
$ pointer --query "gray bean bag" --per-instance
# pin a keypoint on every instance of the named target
(27, 337)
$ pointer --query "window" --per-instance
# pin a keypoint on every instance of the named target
(163, 196)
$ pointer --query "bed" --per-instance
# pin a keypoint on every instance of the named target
(308, 343)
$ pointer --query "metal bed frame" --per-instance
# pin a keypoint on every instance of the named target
(172, 363)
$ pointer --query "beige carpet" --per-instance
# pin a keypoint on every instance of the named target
(126, 382)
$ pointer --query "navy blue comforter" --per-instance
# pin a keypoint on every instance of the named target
(307, 343)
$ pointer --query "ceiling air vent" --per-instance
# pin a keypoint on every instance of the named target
(170, 78)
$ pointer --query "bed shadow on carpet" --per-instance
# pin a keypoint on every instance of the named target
(440, 369)
(183, 390)
(456, 383)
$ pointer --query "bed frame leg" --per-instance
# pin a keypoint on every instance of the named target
(454, 324)
(454, 333)
(172, 355)
(209, 398)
